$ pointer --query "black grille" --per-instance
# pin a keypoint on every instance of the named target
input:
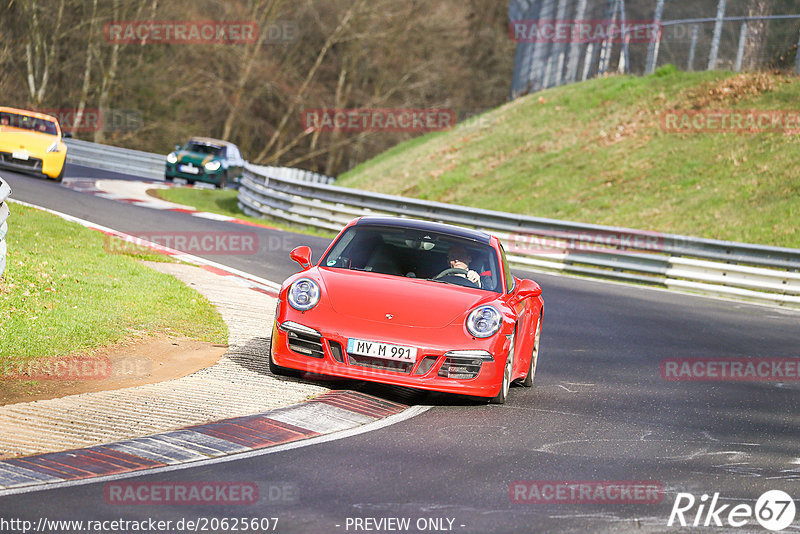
(32, 163)
(336, 351)
(380, 363)
(460, 367)
(305, 344)
(425, 365)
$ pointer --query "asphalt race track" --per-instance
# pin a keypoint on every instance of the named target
(599, 411)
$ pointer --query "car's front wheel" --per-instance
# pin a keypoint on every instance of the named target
(507, 370)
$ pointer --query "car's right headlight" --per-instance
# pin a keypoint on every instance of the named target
(303, 294)
(484, 321)
(172, 157)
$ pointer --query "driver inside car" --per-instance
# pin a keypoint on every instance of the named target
(459, 258)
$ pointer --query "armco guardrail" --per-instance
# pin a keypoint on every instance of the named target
(5, 192)
(115, 159)
(739, 270)
(292, 174)
(149, 165)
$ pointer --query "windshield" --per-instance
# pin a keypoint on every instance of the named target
(193, 146)
(412, 253)
(26, 122)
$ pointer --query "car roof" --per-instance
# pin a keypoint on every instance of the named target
(211, 141)
(427, 226)
(29, 113)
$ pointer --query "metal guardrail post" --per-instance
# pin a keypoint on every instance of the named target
(5, 192)
(653, 46)
(693, 47)
(740, 51)
(712, 57)
(797, 58)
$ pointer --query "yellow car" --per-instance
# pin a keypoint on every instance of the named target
(31, 142)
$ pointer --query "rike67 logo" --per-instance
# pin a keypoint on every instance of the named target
(774, 510)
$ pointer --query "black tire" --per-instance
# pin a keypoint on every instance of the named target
(223, 181)
(169, 179)
(60, 177)
(276, 369)
(189, 182)
(505, 385)
(528, 380)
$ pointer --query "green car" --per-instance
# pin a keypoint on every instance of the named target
(203, 159)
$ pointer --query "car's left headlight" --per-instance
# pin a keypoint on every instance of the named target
(53, 147)
(484, 321)
(172, 157)
(303, 294)
(213, 165)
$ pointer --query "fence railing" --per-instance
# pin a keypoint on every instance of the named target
(5, 192)
(596, 37)
(116, 159)
(149, 165)
(750, 272)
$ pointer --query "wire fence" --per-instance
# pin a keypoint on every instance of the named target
(564, 41)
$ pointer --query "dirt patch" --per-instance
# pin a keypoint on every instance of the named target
(128, 364)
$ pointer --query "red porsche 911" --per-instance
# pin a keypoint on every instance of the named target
(410, 303)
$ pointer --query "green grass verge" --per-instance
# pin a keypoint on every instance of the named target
(63, 293)
(224, 202)
(596, 152)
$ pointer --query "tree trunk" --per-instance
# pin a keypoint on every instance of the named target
(757, 35)
(87, 70)
(38, 56)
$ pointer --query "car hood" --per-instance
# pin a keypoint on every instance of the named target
(12, 139)
(410, 302)
(195, 158)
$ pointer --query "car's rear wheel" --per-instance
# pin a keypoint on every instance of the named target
(168, 179)
(189, 182)
(276, 369)
(507, 370)
(528, 381)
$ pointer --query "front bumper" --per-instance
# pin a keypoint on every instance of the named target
(212, 177)
(49, 164)
(298, 343)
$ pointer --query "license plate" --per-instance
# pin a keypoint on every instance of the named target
(376, 349)
(189, 169)
(20, 155)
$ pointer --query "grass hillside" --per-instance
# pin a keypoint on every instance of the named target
(596, 152)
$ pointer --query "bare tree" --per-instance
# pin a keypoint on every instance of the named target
(757, 33)
(40, 49)
(87, 70)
